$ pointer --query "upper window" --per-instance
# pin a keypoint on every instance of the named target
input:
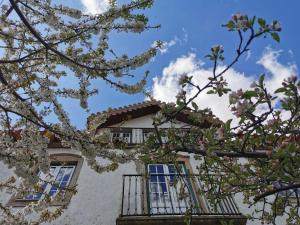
(64, 171)
(146, 135)
(148, 132)
(121, 136)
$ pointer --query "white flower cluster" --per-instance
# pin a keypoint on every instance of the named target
(42, 43)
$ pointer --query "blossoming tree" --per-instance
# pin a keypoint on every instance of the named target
(260, 155)
(39, 41)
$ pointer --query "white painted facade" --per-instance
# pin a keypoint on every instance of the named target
(98, 200)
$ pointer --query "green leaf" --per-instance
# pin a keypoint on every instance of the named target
(227, 124)
(261, 22)
(250, 94)
(230, 25)
(275, 37)
(252, 21)
(242, 119)
(261, 79)
(280, 90)
(226, 90)
(195, 106)
(210, 92)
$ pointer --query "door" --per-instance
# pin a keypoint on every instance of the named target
(169, 189)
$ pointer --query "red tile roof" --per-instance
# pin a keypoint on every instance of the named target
(118, 115)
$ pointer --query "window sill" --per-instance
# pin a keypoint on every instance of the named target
(23, 203)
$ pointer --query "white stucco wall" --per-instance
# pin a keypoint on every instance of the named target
(98, 199)
(5, 173)
(146, 122)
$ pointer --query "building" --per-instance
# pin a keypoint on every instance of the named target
(134, 194)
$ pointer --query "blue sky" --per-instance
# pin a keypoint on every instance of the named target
(190, 28)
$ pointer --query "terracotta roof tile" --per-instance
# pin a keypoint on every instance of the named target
(117, 115)
(125, 109)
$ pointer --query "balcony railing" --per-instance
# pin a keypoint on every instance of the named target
(132, 136)
(171, 194)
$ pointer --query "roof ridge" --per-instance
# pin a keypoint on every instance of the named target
(130, 107)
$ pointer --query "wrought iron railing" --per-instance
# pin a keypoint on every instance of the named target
(171, 194)
(132, 136)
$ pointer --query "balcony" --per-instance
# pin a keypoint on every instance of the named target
(172, 198)
(132, 136)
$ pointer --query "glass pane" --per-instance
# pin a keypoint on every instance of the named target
(53, 190)
(153, 178)
(171, 168)
(161, 178)
(146, 135)
(116, 135)
(66, 178)
(37, 195)
(152, 169)
(154, 188)
(67, 175)
(154, 197)
(172, 178)
(63, 184)
(163, 187)
(160, 169)
(126, 137)
(62, 179)
(60, 175)
(29, 197)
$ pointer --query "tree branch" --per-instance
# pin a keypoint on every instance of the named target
(276, 190)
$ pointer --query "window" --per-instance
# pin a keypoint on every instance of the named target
(126, 137)
(64, 171)
(146, 135)
(121, 136)
(116, 136)
(59, 175)
(148, 132)
(169, 191)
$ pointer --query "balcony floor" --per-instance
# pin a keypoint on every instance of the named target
(179, 220)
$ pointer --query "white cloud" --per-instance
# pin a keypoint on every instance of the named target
(186, 36)
(95, 6)
(165, 88)
(248, 55)
(276, 71)
(291, 53)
